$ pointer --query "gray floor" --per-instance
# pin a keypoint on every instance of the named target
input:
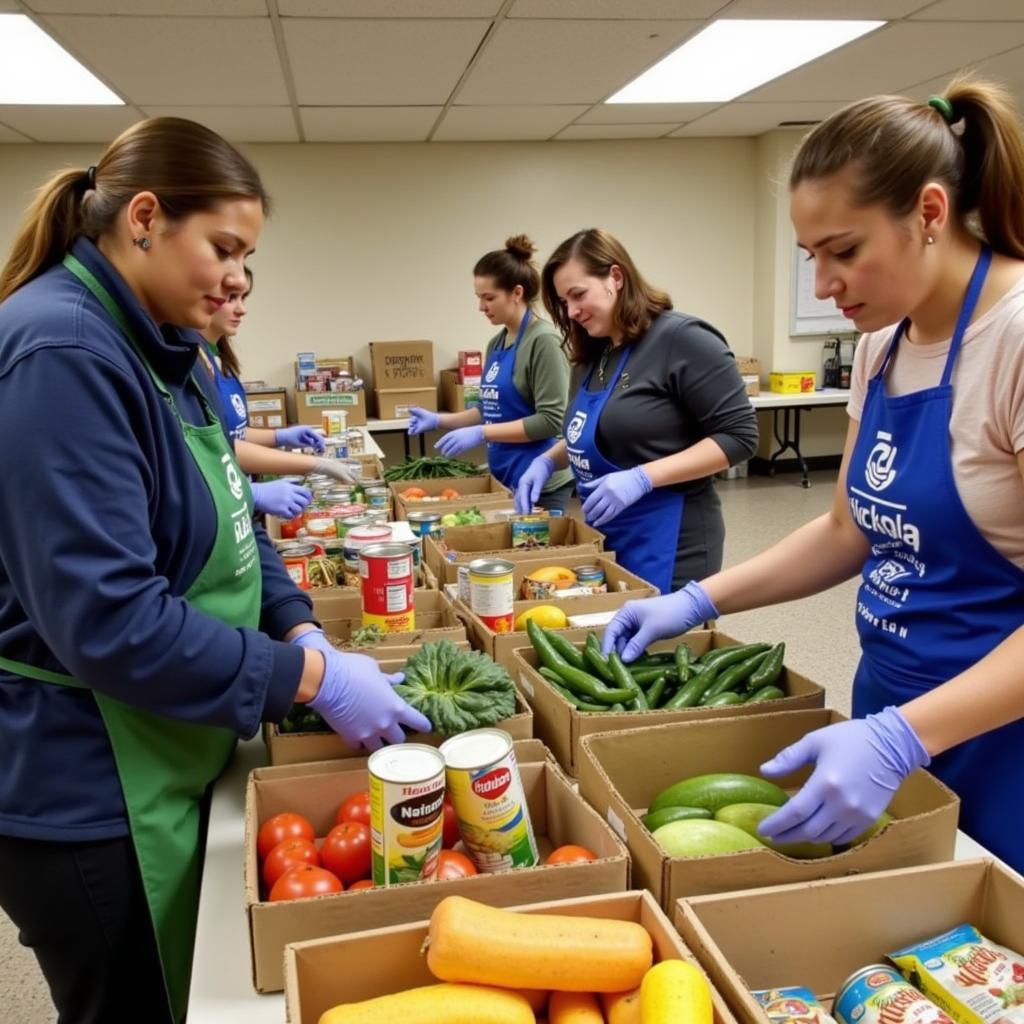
(820, 642)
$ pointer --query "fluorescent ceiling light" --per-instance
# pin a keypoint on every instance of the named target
(35, 69)
(729, 58)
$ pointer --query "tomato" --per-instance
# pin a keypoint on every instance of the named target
(570, 855)
(454, 865)
(355, 808)
(363, 883)
(346, 851)
(451, 825)
(304, 880)
(281, 827)
(288, 854)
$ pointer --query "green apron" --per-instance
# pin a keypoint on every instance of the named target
(165, 765)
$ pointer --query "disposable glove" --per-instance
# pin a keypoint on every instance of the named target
(455, 442)
(612, 493)
(422, 420)
(316, 640)
(859, 765)
(332, 467)
(299, 437)
(532, 482)
(357, 701)
(638, 624)
(283, 498)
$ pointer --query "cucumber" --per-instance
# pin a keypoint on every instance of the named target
(717, 790)
(721, 700)
(655, 819)
(765, 693)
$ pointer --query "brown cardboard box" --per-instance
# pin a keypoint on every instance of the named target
(484, 490)
(322, 973)
(268, 407)
(616, 578)
(621, 772)
(750, 371)
(562, 727)
(439, 624)
(568, 536)
(558, 814)
(330, 603)
(455, 396)
(819, 933)
(309, 405)
(395, 403)
(402, 364)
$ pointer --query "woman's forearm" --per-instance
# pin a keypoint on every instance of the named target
(262, 436)
(699, 460)
(454, 420)
(512, 432)
(558, 455)
(254, 458)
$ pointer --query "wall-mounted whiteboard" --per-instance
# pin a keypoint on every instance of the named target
(809, 314)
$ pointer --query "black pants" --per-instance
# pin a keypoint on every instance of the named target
(81, 909)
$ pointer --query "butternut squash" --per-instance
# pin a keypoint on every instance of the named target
(574, 1008)
(674, 991)
(436, 1004)
(484, 945)
(622, 1007)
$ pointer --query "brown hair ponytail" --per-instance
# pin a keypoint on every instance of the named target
(511, 267)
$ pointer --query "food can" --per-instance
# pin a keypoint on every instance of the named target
(424, 523)
(406, 812)
(353, 467)
(531, 531)
(315, 479)
(487, 793)
(321, 527)
(462, 577)
(290, 527)
(339, 496)
(334, 552)
(356, 539)
(343, 525)
(356, 441)
(386, 572)
(296, 562)
(416, 549)
(334, 421)
(336, 447)
(377, 497)
(589, 575)
(491, 594)
(379, 516)
(878, 994)
(792, 1005)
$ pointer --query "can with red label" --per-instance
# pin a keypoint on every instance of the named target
(296, 558)
(386, 574)
(491, 594)
(356, 539)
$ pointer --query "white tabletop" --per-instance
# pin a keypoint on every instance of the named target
(826, 396)
(385, 425)
(370, 447)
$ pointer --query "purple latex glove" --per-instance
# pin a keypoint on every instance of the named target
(283, 498)
(298, 437)
(613, 493)
(859, 765)
(532, 482)
(455, 442)
(357, 701)
(422, 420)
(638, 624)
(316, 640)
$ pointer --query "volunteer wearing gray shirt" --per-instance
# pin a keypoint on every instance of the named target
(525, 379)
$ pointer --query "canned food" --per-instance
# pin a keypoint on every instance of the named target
(416, 549)
(487, 793)
(406, 812)
(878, 994)
(531, 531)
(378, 516)
(353, 467)
(339, 496)
(386, 572)
(424, 523)
(296, 562)
(334, 421)
(462, 577)
(377, 497)
(312, 479)
(356, 441)
(336, 447)
(290, 527)
(321, 527)
(589, 575)
(343, 525)
(334, 552)
(491, 594)
(356, 539)
(792, 1005)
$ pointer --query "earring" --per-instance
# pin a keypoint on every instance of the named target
(142, 243)
(609, 292)
(931, 239)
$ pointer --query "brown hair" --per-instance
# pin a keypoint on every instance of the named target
(229, 363)
(638, 303)
(894, 146)
(187, 166)
(512, 266)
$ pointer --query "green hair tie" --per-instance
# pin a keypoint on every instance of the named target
(944, 107)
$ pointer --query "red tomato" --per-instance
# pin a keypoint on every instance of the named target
(346, 851)
(570, 855)
(451, 825)
(454, 865)
(281, 827)
(363, 883)
(355, 808)
(304, 880)
(288, 854)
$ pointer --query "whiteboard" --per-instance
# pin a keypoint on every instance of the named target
(809, 314)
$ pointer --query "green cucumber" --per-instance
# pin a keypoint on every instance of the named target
(657, 691)
(730, 677)
(567, 650)
(689, 695)
(769, 670)
(765, 693)
(721, 657)
(655, 819)
(717, 790)
(722, 700)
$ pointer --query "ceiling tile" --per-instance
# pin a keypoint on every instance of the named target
(884, 10)
(180, 61)
(69, 124)
(389, 8)
(646, 113)
(368, 124)
(568, 61)
(673, 9)
(153, 8)
(754, 118)
(389, 63)
(10, 135)
(971, 10)
(504, 123)
(239, 124)
(885, 61)
(9, 7)
(1006, 69)
(616, 131)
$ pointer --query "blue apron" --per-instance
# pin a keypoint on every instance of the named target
(501, 403)
(936, 596)
(645, 535)
(235, 412)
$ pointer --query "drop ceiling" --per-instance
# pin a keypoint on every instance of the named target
(478, 70)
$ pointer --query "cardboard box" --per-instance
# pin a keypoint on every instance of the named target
(484, 490)
(457, 396)
(441, 624)
(432, 608)
(558, 813)
(461, 544)
(799, 383)
(268, 407)
(395, 403)
(750, 371)
(819, 933)
(402, 364)
(621, 772)
(562, 727)
(322, 973)
(471, 365)
(309, 405)
(616, 577)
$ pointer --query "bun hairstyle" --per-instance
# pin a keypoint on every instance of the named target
(512, 267)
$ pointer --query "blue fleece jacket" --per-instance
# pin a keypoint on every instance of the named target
(106, 523)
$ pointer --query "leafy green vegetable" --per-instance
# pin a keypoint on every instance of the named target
(431, 468)
(366, 636)
(457, 690)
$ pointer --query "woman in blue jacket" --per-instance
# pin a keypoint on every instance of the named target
(145, 623)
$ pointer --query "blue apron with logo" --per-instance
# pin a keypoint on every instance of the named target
(232, 395)
(501, 403)
(936, 596)
(645, 535)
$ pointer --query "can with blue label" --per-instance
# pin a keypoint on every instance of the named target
(792, 1005)
(879, 994)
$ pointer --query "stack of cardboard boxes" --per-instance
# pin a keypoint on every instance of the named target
(403, 376)
(328, 383)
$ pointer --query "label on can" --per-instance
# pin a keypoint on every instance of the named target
(532, 530)
(463, 583)
(491, 594)
(296, 563)
(792, 1005)
(487, 793)
(333, 421)
(386, 572)
(378, 497)
(424, 523)
(406, 812)
(878, 994)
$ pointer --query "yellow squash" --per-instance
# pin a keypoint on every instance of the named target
(622, 1007)
(436, 1004)
(674, 991)
(574, 1008)
(546, 615)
